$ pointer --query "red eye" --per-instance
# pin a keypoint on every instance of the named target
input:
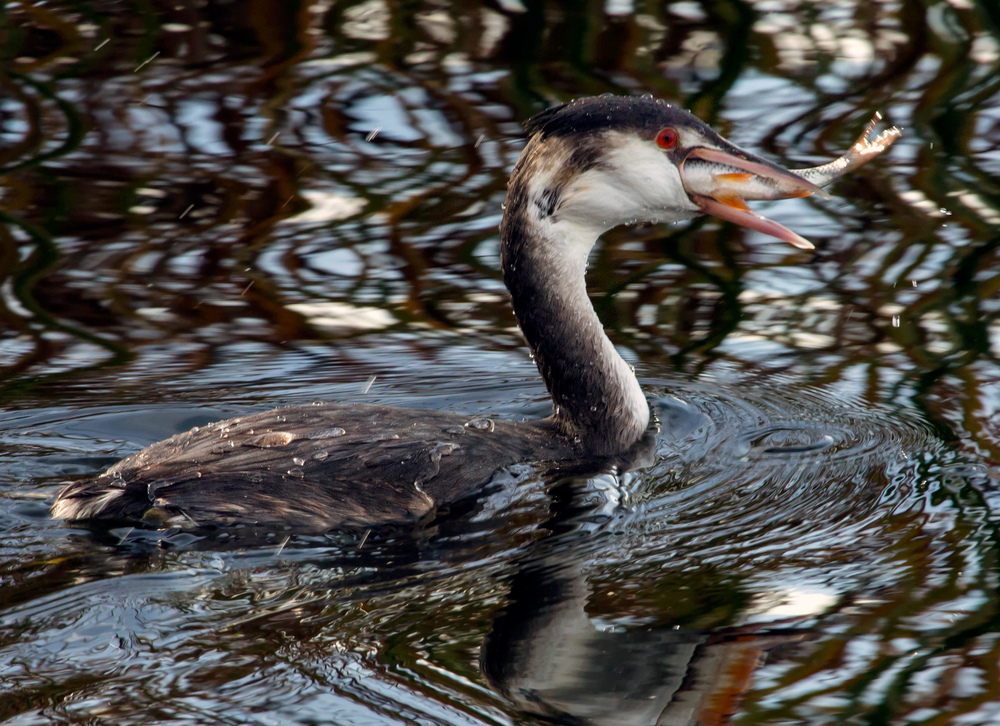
(666, 138)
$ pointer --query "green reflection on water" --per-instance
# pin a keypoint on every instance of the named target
(157, 233)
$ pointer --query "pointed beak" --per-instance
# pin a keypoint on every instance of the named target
(722, 182)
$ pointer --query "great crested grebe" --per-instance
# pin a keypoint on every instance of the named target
(589, 165)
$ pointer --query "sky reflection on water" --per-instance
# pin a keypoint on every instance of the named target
(236, 206)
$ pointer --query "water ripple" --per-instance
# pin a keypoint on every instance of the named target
(773, 476)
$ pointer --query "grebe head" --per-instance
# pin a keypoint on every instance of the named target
(597, 163)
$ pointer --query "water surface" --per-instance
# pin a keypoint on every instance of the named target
(208, 211)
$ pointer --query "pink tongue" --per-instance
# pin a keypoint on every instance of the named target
(752, 221)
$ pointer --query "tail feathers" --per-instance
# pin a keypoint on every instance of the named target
(82, 502)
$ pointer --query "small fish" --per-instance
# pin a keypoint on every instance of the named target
(722, 182)
(864, 149)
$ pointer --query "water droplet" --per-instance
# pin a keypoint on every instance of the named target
(481, 424)
(321, 455)
(296, 471)
(298, 461)
(224, 447)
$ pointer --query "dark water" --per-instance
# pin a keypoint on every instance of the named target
(213, 209)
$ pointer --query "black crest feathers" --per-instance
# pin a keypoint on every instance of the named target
(644, 115)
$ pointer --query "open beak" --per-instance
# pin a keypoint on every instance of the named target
(721, 183)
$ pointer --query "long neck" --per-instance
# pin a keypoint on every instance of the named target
(596, 396)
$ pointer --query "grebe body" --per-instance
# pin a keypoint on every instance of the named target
(589, 165)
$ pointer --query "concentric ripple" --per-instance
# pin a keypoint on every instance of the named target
(777, 475)
(790, 439)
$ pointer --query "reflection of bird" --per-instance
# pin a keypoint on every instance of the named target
(589, 165)
(547, 656)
